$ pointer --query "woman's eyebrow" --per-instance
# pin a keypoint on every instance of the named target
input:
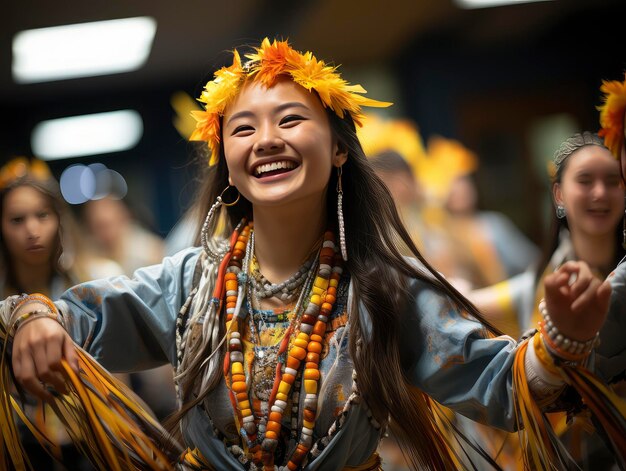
(240, 114)
(278, 109)
(291, 104)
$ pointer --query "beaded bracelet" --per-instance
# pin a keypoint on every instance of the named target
(24, 298)
(52, 311)
(561, 346)
(28, 316)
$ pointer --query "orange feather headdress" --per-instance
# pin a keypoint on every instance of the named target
(265, 65)
(21, 167)
(612, 115)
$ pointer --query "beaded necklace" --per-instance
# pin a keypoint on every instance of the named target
(285, 290)
(306, 347)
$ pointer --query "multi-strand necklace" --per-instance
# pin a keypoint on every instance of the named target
(285, 291)
(303, 349)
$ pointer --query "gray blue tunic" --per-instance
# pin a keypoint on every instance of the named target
(129, 324)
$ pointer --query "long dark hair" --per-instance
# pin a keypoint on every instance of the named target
(49, 189)
(379, 274)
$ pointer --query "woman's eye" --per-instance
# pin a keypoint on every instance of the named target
(43, 215)
(243, 128)
(291, 119)
(613, 182)
(17, 220)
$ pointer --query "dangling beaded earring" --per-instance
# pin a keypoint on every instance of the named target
(207, 223)
(560, 211)
(342, 228)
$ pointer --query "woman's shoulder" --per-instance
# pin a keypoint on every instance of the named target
(184, 257)
(423, 276)
(423, 286)
(184, 261)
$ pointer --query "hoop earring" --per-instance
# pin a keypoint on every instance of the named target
(342, 227)
(560, 211)
(219, 201)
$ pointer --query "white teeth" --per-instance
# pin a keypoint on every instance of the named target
(286, 164)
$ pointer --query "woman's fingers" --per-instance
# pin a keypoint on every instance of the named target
(583, 298)
(38, 350)
(557, 291)
(577, 300)
(583, 281)
(69, 353)
(26, 375)
(51, 374)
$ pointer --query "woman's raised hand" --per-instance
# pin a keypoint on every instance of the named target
(577, 300)
(38, 347)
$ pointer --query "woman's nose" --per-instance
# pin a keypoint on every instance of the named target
(269, 141)
(599, 190)
(32, 229)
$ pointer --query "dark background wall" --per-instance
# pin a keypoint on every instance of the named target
(486, 77)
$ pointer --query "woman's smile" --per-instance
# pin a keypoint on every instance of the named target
(275, 169)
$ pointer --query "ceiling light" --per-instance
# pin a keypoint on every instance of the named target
(87, 135)
(470, 4)
(82, 50)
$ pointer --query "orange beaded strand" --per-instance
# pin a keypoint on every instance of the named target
(306, 347)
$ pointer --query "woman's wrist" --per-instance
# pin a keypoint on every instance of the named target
(544, 377)
(561, 346)
(29, 307)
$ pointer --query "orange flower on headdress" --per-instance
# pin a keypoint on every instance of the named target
(21, 167)
(216, 95)
(612, 115)
(272, 60)
(265, 65)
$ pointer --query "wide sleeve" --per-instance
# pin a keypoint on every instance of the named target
(611, 353)
(128, 324)
(451, 358)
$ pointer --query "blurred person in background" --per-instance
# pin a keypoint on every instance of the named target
(118, 233)
(40, 251)
(39, 230)
(587, 226)
(395, 150)
(487, 246)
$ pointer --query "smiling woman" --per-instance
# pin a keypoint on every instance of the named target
(279, 148)
(298, 331)
(586, 227)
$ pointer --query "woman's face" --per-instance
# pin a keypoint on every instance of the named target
(590, 191)
(29, 226)
(278, 145)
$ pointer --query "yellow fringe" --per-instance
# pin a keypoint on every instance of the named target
(537, 447)
(542, 450)
(103, 417)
